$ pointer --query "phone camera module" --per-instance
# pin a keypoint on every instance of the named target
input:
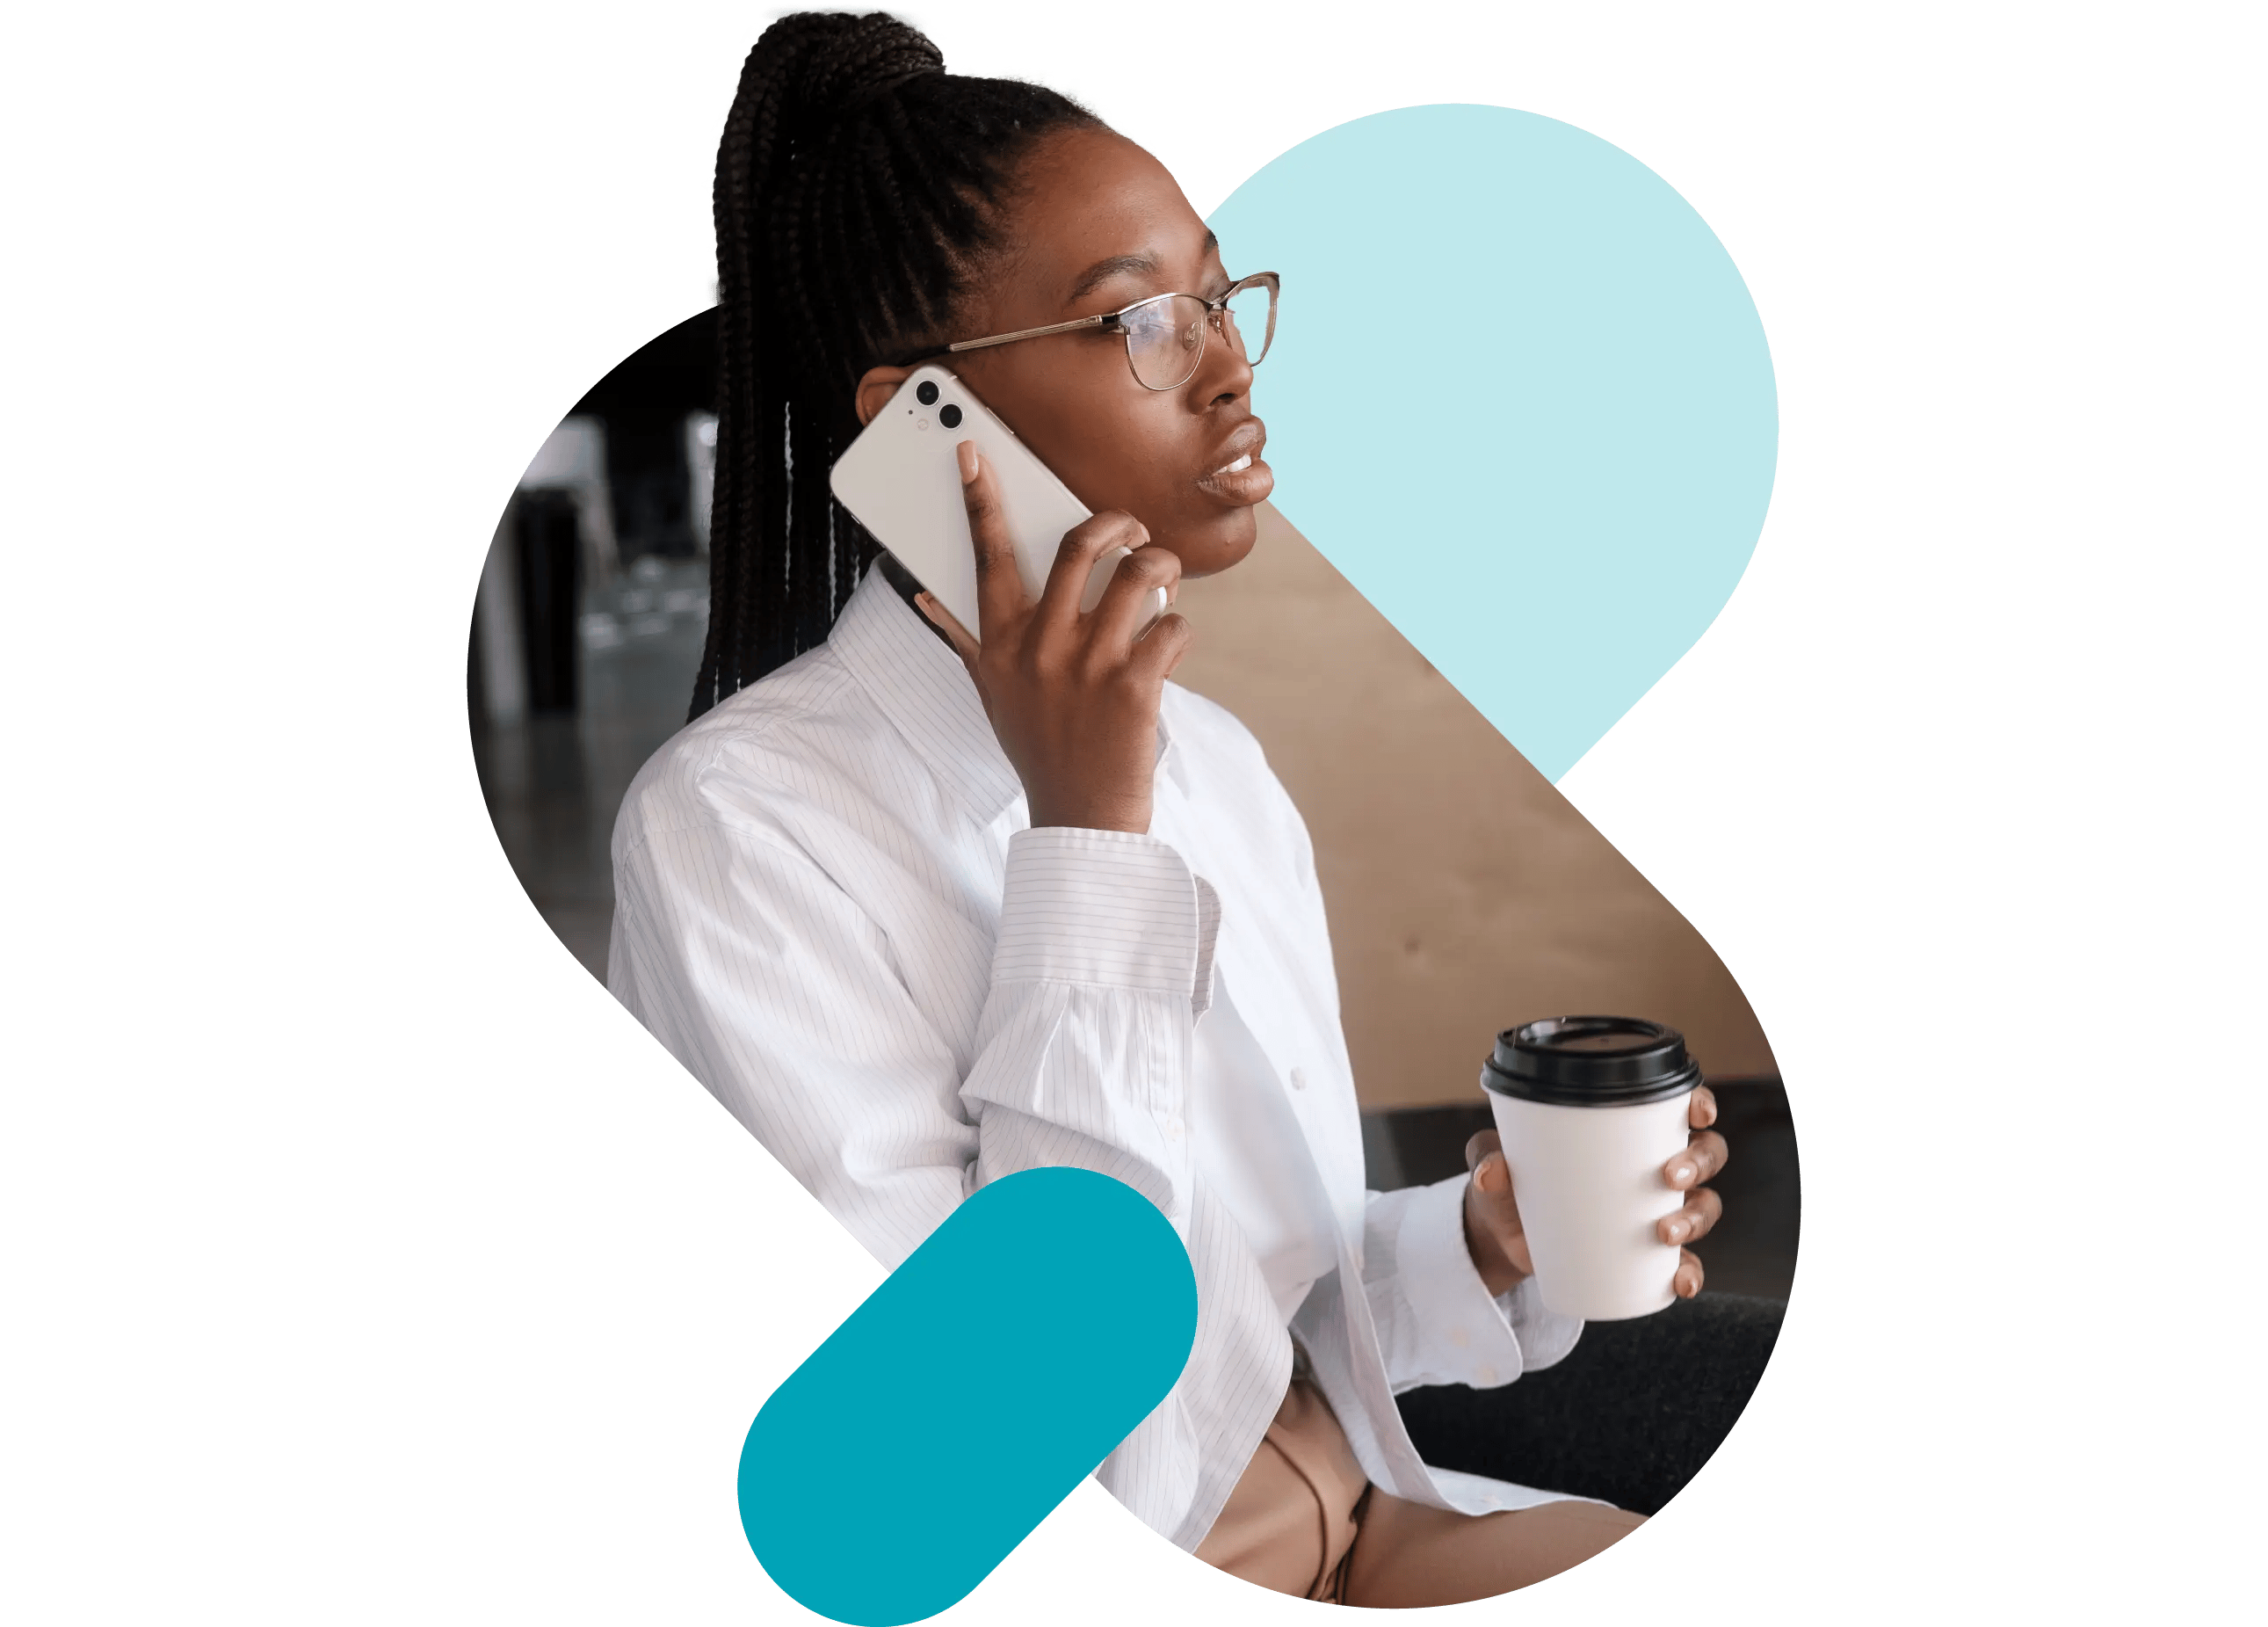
(925, 393)
(949, 416)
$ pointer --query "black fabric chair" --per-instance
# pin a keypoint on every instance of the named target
(1631, 1414)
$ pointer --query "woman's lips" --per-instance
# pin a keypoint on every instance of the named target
(1243, 479)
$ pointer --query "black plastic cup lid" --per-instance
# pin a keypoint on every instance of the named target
(1591, 1061)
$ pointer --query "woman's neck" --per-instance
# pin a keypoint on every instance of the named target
(902, 580)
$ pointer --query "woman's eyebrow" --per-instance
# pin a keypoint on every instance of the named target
(1102, 270)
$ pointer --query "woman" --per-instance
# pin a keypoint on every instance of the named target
(927, 904)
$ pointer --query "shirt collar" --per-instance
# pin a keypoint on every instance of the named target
(928, 695)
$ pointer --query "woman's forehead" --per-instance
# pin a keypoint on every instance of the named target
(1099, 216)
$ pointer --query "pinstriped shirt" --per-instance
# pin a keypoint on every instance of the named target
(830, 906)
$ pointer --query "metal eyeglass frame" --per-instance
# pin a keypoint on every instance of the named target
(1116, 320)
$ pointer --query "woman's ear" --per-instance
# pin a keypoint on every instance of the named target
(876, 388)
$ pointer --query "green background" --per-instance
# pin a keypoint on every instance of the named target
(363, 1257)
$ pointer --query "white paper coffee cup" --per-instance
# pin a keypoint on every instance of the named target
(1590, 1109)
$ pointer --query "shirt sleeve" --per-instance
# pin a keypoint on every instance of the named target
(765, 979)
(1102, 965)
(780, 995)
(1437, 1321)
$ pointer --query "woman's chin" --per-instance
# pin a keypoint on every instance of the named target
(1222, 541)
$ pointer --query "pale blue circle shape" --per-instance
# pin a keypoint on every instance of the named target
(1518, 396)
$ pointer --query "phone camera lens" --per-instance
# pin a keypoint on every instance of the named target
(925, 393)
(949, 416)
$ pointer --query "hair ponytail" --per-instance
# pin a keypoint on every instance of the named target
(856, 190)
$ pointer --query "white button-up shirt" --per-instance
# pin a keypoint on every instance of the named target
(1251, 1154)
(831, 907)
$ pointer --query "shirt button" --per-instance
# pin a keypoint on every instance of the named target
(1459, 1337)
(1488, 1375)
(1299, 1078)
(1173, 1129)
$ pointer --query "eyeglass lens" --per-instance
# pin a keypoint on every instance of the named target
(1165, 338)
(1252, 320)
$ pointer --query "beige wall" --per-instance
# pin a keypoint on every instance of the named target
(1465, 894)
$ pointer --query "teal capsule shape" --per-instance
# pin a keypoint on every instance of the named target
(949, 1413)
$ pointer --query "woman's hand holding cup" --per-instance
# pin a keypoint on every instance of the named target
(1072, 695)
(1499, 1243)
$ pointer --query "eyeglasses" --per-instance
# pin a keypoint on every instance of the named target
(1165, 334)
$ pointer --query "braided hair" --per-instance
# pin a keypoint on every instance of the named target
(858, 188)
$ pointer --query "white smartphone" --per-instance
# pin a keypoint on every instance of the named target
(900, 479)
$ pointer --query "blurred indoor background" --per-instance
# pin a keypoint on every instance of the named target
(1465, 894)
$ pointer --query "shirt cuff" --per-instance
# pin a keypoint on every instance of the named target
(1111, 907)
(1545, 1336)
(1466, 1334)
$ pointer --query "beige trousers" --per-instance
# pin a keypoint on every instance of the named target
(1305, 1519)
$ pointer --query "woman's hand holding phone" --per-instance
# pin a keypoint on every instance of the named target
(1072, 696)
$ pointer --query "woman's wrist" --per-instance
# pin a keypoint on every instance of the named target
(1114, 814)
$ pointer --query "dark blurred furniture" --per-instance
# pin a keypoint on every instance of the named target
(549, 559)
(1631, 1414)
(644, 404)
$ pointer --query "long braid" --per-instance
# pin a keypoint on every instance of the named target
(857, 186)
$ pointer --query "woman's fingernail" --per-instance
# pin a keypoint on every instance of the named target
(966, 451)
